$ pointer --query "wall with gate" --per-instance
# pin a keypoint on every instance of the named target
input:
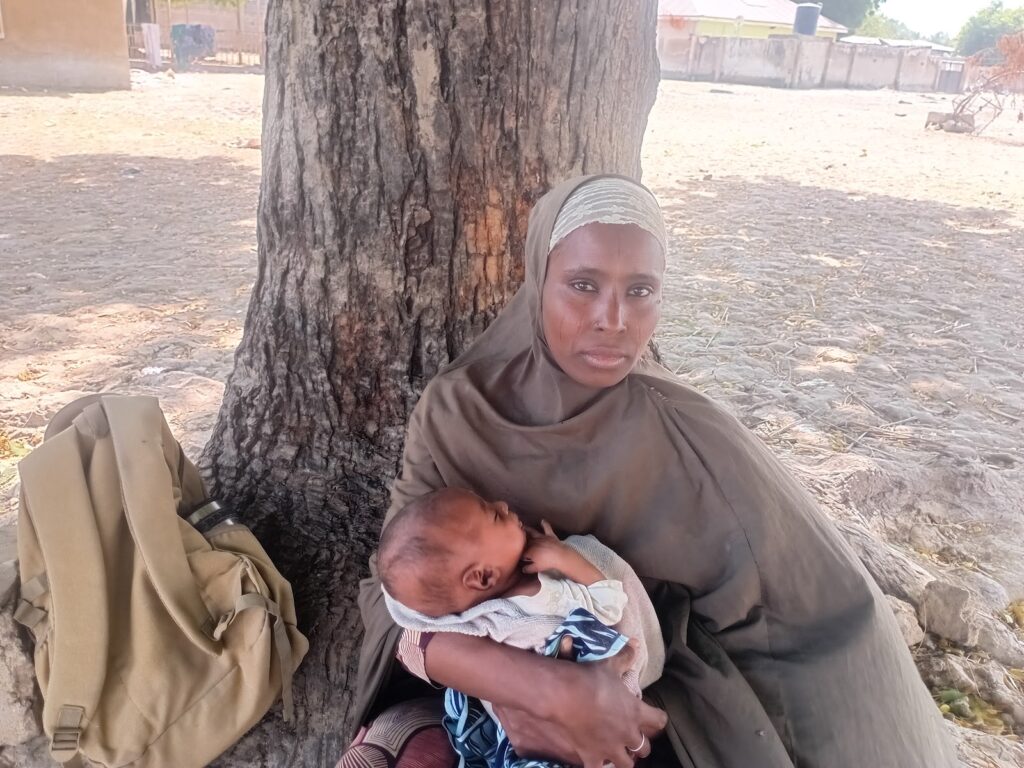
(796, 62)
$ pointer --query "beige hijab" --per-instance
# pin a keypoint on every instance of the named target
(781, 651)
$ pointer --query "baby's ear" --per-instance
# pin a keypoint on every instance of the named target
(479, 578)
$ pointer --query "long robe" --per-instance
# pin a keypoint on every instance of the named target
(781, 650)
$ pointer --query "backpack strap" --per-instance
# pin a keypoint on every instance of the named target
(60, 507)
(136, 426)
(27, 614)
(282, 644)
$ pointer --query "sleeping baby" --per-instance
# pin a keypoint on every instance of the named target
(453, 562)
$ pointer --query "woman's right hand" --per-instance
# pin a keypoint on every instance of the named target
(591, 717)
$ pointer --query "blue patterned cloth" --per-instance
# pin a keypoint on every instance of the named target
(479, 739)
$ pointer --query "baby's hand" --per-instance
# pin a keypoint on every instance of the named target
(545, 552)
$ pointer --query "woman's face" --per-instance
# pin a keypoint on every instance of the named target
(602, 300)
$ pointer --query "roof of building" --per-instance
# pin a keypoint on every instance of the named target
(765, 11)
(918, 44)
(860, 40)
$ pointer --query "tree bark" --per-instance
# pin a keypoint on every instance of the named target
(404, 144)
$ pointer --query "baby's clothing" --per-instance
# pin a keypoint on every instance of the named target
(525, 621)
(559, 597)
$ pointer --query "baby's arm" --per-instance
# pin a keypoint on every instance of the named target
(545, 552)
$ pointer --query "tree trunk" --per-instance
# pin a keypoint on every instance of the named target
(404, 143)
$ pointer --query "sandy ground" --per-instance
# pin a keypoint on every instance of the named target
(127, 244)
(849, 283)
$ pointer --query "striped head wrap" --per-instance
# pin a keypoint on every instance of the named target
(610, 200)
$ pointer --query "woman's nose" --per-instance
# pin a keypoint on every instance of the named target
(610, 316)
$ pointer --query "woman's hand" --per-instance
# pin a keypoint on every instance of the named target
(582, 714)
(595, 718)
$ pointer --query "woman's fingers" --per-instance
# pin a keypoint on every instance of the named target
(642, 747)
(537, 738)
(598, 723)
(621, 759)
(592, 760)
(652, 720)
(624, 758)
(548, 530)
(623, 660)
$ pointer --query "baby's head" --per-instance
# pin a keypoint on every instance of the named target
(450, 550)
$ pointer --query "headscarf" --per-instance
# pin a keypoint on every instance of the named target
(609, 200)
(781, 650)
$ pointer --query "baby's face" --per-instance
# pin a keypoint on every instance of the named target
(492, 534)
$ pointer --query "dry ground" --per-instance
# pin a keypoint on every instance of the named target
(851, 285)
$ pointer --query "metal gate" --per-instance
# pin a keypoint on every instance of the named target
(951, 76)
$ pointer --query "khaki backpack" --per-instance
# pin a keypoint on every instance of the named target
(156, 645)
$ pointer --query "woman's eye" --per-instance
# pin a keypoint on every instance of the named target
(583, 285)
(641, 291)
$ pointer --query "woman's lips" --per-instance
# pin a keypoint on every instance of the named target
(605, 358)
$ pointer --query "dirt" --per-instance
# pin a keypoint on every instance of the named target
(851, 284)
(847, 282)
(128, 250)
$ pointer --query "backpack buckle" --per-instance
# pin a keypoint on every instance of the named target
(67, 736)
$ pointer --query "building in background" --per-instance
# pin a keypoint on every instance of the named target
(934, 47)
(734, 18)
(64, 44)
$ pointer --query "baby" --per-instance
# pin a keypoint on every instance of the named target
(453, 562)
(450, 551)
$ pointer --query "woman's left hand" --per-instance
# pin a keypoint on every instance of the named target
(593, 718)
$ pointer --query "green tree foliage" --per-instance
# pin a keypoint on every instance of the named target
(849, 13)
(984, 29)
(880, 25)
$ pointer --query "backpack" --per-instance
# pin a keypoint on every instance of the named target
(155, 644)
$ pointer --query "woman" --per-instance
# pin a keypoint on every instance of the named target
(781, 651)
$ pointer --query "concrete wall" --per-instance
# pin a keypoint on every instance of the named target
(64, 44)
(674, 51)
(757, 62)
(839, 61)
(919, 71)
(794, 62)
(875, 67)
(810, 63)
(707, 59)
